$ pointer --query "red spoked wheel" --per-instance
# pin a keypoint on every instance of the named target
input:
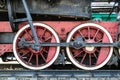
(119, 40)
(31, 58)
(90, 57)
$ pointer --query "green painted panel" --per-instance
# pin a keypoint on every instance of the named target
(104, 16)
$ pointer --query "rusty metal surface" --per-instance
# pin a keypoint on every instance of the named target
(62, 28)
(79, 8)
(60, 75)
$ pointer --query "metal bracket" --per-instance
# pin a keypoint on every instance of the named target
(61, 58)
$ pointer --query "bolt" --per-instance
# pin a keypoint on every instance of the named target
(77, 45)
(63, 30)
(80, 44)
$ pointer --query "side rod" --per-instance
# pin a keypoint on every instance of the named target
(70, 44)
(77, 44)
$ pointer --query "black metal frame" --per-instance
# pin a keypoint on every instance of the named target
(29, 19)
(10, 15)
(77, 44)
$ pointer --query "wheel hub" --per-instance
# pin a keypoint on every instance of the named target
(90, 57)
(36, 57)
(35, 51)
(89, 49)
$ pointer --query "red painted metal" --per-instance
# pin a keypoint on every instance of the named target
(5, 26)
(32, 57)
(5, 48)
(62, 28)
(103, 52)
(90, 56)
(111, 27)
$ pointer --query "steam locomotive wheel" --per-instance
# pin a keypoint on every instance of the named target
(90, 57)
(31, 58)
(119, 40)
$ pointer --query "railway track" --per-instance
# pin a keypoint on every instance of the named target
(36, 45)
(59, 75)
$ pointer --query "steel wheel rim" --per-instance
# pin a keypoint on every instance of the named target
(42, 66)
(70, 56)
(119, 48)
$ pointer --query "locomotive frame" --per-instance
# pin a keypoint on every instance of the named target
(88, 45)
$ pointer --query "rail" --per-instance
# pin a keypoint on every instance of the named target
(60, 75)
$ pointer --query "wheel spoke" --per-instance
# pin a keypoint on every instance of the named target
(90, 60)
(18, 48)
(48, 38)
(30, 58)
(37, 59)
(96, 34)
(83, 58)
(43, 32)
(97, 50)
(30, 36)
(81, 34)
(88, 32)
(99, 40)
(78, 54)
(19, 38)
(73, 39)
(43, 57)
(45, 51)
(95, 55)
(25, 54)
